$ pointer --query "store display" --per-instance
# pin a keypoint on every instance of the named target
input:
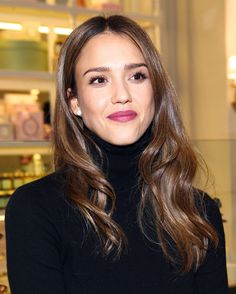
(113, 5)
(26, 118)
(31, 168)
(23, 55)
(6, 131)
(61, 1)
(28, 125)
(22, 116)
(6, 182)
(18, 180)
(3, 272)
(81, 2)
(53, 1)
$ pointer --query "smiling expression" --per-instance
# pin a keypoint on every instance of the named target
(115, 94)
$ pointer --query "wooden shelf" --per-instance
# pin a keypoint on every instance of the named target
(24, 148)
(27, 80)
(60, 10)
(32, 75)
(36, 5)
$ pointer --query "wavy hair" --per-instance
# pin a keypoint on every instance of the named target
(167, 166)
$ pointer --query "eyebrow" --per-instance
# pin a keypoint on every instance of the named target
(106, 68)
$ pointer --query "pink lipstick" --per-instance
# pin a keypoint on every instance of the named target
(123, 116)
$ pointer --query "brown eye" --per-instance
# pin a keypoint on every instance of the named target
(97, 80)
(139, 76)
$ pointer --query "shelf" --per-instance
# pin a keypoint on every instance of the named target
(49, 11)
(31, 15)
(27, 80)
(34, 9)
(24, 148)
(62, 10)
(32, 75)
(36, 5)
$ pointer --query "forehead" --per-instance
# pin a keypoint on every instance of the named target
(110, 47)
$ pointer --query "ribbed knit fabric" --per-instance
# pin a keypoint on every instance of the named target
(120, 166)
(49, 251)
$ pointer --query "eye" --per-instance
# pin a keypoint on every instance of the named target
(139, 76)
(97, 80)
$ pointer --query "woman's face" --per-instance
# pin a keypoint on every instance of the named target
(115, 94)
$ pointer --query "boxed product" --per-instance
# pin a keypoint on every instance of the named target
(23, 55)
(26, 116)
(6, 128)
(104, 4)
(28, 125)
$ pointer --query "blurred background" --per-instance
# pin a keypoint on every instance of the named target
(197, 42)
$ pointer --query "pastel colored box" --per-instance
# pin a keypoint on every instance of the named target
(29, 126)
(23, 55)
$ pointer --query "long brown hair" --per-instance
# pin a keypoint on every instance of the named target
(167, 166)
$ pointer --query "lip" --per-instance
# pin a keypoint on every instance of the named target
(123, 116)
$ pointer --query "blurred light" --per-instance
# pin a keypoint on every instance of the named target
(59, 31)
(232, 77)
(10, 26)
(43, 30)
(63, 31)
(232, 67)
(34, 92)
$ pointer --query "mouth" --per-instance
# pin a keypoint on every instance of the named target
(123, 116)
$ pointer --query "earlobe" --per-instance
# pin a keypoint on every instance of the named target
(78, 112)
(75, 107)
(74, 103)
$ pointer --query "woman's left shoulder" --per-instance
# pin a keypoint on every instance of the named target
(208, 207)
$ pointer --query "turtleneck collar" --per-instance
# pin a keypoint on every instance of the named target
(131, 150)
(120, 166)
(119, 163)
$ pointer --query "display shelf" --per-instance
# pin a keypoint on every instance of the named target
(66, 14)
(18, 81)
(27, 80)
(32, 15)
(13, 5)
(33, 5)
(12, 11)
(24, 147)
(29, 75)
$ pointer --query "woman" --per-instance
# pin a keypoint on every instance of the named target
(120, 214)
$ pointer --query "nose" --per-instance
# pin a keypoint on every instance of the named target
(121, 93)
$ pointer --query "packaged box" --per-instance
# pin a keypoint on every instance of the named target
(23, 55)
(28, 125)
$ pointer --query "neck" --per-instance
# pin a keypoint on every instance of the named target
(120, 163)
(120, 167)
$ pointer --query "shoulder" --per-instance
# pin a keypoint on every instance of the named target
(206, 205)
(208, 208)
(43, 196)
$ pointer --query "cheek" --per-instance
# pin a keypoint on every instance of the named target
(92, 105)
(150, 110)
(148, 103)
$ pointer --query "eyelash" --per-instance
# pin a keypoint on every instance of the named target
(92, 80)
(141, 74)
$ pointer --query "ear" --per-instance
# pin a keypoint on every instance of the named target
(74, 103)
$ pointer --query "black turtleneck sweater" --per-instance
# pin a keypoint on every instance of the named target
(49, 251)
